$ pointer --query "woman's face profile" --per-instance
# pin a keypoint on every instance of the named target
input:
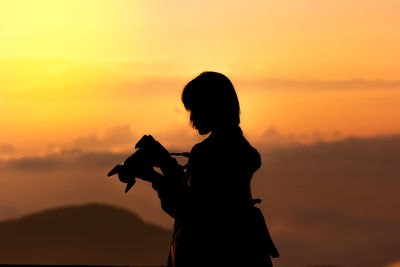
(199, 121)
(212, 102)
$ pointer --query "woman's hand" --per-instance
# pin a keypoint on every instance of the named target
(156, 153)
(158, 156)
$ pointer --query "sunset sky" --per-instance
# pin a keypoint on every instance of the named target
(319, 88)
(78, 71)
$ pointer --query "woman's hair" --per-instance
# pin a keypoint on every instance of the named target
(213, 94)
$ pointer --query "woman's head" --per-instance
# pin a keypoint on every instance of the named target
(212, 102)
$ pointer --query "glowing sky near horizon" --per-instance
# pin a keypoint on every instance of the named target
(75, 69)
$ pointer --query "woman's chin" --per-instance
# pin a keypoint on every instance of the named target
(203, 131)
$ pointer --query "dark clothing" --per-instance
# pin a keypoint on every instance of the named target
(216, 222)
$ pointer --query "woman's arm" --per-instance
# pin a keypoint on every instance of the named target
(171, 186)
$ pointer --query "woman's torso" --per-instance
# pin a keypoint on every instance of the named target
(217, 226)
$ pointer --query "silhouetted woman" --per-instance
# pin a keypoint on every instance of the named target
(216, 223)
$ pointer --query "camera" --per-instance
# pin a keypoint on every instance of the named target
(147, 156)
(129, 169)
(135, 165)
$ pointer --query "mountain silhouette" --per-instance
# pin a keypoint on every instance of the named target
(92, 234)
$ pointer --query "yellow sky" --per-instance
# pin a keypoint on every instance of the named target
(72, 69)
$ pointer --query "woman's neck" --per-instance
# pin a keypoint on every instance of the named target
(226, 131)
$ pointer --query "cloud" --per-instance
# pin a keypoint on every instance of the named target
(7, 149)
(332, 202)
(272, 137)
(122, 139)
(89, 80)
(129, 78)
(327, 224)
(34, 164)
(65, 159)
(115, 137)
(327, 236)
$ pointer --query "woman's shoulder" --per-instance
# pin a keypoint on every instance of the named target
(201, 147)
(238, 153)
(235, 145)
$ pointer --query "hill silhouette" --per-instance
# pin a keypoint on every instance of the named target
(92, 234)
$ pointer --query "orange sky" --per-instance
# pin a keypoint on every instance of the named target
(73, 70)
(96, 75)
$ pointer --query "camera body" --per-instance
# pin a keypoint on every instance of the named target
(136, 164)
(131, 168)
